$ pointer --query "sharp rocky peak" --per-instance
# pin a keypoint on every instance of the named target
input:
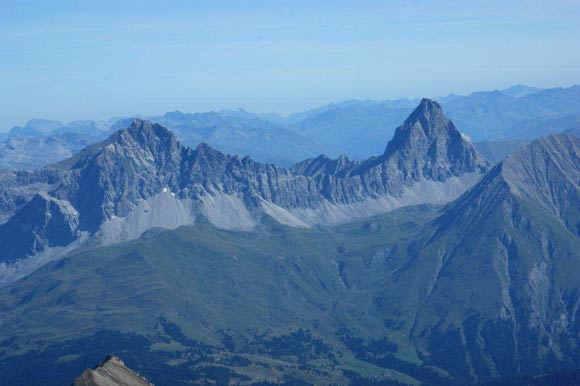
(141, 139)
(428, 110)
(429, 144)
(427, 123)
(147, 133)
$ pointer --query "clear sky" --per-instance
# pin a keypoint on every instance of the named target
(70, 60)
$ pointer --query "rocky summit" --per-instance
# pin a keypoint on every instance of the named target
(427, 146)
(111, 372)
(141, 177)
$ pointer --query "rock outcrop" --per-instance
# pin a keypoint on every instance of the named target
(111, 372)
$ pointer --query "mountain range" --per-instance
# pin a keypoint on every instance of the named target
(425, 264)
(497, 120)
(358, 128)
(142, 177)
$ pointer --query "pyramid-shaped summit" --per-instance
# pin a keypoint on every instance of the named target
(429, 145)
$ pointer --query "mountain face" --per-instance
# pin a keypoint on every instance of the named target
(480, 289)
(493, 280)
(142, 177)
(357, 128)
(426, 146)
(110, 372)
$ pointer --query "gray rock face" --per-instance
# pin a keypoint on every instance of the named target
(323, 165)
(427, 146)
(142, 177)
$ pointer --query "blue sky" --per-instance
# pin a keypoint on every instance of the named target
(70, 60)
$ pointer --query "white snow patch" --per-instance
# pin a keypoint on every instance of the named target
(466, 137)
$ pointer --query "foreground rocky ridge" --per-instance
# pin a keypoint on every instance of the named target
(110, 372)
(142, 177)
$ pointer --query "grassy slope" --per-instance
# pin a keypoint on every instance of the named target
(210, 282)
(375, 297)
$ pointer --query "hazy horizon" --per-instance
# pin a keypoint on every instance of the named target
(71, 61)
(233, 108)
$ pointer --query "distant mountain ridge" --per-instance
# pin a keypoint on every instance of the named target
(356, 128)
(235, 132)
(142, 177)
(496, 151)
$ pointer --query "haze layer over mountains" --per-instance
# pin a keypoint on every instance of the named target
(498, 121)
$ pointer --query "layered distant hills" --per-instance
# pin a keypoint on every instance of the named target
(498, 121)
